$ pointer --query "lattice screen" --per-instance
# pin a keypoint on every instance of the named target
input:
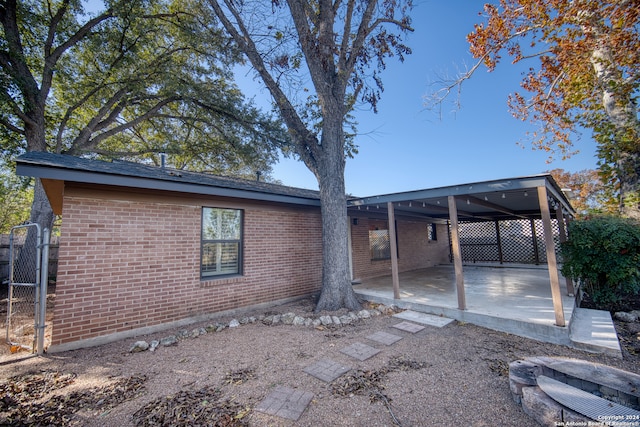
(510, 241)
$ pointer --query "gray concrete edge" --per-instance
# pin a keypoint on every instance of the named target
(582, 329)
(545, 333)
(107, 339)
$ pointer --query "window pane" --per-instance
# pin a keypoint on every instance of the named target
(220, 258)
(431, 232)
(221, 224)
(379, 244)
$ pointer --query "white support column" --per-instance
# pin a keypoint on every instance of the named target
(563, 238)
(457, 255)
(551, 256)
(394, 250)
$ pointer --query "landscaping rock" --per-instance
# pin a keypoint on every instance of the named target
(364, 314)
(626, 317)
(170, 340)
(287, 318)
(268, 320)
(139, 346)
(345, 320)
(325, 320)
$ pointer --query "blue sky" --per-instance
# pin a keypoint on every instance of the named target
(405, 147)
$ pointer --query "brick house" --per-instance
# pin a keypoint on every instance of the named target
(144, 248)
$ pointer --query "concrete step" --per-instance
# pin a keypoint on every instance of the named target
(593, 331)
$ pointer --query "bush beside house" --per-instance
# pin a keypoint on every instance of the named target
(603, 253)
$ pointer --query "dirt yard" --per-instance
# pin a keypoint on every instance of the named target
(454, 375)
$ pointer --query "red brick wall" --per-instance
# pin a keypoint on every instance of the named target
(414, 249)
(129, 261)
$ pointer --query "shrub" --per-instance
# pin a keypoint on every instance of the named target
(604, 255)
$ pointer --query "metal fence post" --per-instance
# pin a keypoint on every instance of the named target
(44, 279)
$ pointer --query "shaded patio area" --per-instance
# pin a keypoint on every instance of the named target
(513, 299)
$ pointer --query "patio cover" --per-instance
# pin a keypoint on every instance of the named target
(531, 197)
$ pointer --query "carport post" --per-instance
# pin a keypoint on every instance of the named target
(499, 240)
(551, 256)
(563, 238)
(457, 256)
(394, 250)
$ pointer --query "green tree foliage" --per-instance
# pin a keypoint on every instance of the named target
(317, 59)
(587, 193)
(16, 196)
(604, 254)
(584, 58)
(133, 79)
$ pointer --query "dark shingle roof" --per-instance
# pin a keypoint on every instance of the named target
(70, 168)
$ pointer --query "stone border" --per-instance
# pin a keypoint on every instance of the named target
(612, 384)
(270, 320)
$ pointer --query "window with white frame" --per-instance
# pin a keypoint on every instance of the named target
(221, 253)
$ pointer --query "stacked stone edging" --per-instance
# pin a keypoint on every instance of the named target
(613, 384)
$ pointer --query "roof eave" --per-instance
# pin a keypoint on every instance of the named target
(57, 173)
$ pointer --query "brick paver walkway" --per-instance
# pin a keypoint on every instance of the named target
(285, 402)
(326, 370)
(408, 327)
(384, 338)
(290, 403)
(360, 351)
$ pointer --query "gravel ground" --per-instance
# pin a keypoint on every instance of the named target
(455, 375)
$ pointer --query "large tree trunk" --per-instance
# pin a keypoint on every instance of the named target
(621, 109)
(337, 291)
(629, 178)
(41, 211)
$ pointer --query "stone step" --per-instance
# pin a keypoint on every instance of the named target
(617, 379)
(585, 403)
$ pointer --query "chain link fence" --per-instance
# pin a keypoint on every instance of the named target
(25, 286)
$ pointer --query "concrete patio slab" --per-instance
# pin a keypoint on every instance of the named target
(360, 351)
(512, 299)
(384, 338)
(408, 327)
(423, 318)
(285, 402)
(326, 370)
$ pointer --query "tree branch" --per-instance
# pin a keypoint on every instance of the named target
(95, 141)
(52, 59)
(10, 126)
(306, 143)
